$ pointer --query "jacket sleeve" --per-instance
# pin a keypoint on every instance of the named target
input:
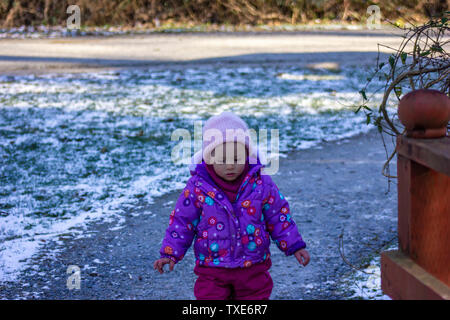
(282, 228)
(182, 225)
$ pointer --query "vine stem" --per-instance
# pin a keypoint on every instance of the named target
(401, 77)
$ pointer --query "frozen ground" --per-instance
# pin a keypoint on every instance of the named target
(366, 283)
(86, 156)
(335, 189)
(42, 31)
(86, 146)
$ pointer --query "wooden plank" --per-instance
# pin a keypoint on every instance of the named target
(403, 279)
(404, 202)
(429, 221)
(424, 216)
(432, 153)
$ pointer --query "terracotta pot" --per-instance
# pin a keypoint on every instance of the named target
(424, 113)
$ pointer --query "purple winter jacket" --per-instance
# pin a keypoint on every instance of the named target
(229, 234)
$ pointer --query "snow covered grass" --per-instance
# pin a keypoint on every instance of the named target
(80, 147)
(366, 284)
(43, 31)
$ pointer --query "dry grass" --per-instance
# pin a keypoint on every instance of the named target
(14, 13)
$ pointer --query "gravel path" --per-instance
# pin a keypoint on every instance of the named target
(159, 50)
(334, 189)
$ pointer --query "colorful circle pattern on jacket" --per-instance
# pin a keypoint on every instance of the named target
(255, 234)
(215, 255)
(252, 239)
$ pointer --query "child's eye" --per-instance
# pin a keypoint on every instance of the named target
(223, 161)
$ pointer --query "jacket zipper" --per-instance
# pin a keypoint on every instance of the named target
(233, 216)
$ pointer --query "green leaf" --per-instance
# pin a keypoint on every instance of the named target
(422, 54)
(436, 47)
(391, 61)
(378, 123)
(398, 91)
(380, 128)
(363, 93)
(368, 118)
(403, 57)
(367, 108)
(381, 65)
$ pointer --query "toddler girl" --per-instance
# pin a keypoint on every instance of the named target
(229, 209)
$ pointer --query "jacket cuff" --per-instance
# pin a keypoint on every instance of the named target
(296, 246)
(173, 258)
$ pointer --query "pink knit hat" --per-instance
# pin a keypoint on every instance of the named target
(215, 131)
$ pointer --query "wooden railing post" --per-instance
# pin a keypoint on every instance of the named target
(420, 268)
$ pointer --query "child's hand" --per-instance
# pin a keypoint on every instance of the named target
(302, 256)
(159, 264)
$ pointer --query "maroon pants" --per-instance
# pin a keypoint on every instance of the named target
(252, 283)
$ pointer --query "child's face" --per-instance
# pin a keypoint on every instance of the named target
(229, 166)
